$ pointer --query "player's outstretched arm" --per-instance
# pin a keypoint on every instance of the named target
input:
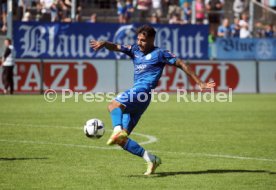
(96, 45)
(187, 69)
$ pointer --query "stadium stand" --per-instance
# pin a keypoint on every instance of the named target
(106, 11)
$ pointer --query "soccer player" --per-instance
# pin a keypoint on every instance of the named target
(127, 108)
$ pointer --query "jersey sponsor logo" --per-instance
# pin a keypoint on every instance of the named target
(148, 57)
(140, 68)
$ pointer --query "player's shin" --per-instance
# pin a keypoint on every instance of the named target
(134, 148)
(118, 134)
(116, 117)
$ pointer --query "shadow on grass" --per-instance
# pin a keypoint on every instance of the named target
(165, 174)
(15, 159)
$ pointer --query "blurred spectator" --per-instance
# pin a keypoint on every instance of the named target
(93, 18)
(244, 27)
(38, 11)
(157, 7)
(259, 30)
(27, 17)
(181, 2)
(129, 11)
(23, 6)
(238, 7)
(4, 7)
(214, 8)
(20, 9)
(200, 11)
(174, 8)
(49, 10)
(212, 45)
(175, 19)
(268, 33)
(235, 28)
(121, 11)
(143, 8)
(78, 17)
(79, 13)
(154, 19)
(224, 29)
(212, 37)
(65, 10)
(187, 13)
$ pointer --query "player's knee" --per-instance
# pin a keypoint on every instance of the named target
(114, 105)
(110, 107)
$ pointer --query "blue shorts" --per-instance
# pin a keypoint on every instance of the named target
(136, 102)
(121, 10)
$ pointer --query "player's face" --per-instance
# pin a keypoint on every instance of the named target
(145, 44)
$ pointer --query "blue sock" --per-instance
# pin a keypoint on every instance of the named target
(116, 116)
(134, 148)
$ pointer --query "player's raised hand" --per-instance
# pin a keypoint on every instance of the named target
(208, 85)
(96, 45)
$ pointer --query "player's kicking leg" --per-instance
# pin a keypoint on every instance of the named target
(118, 135)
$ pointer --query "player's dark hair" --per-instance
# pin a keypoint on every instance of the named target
(146, 30)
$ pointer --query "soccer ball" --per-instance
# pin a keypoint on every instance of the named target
(94, 128)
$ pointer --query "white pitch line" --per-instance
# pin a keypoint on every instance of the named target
(238, 157)
(38, 125)
(151, 139)
(57, 144)
(217, 156)
(118, 148)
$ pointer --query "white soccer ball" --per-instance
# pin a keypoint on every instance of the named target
(94, 128)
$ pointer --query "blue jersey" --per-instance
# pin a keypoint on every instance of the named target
(148, 68)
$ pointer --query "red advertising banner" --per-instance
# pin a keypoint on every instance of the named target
(225, 75)
(100, 76)
(80, 76)
(239, 76)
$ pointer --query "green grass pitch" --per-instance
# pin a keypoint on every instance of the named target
(202, 145)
